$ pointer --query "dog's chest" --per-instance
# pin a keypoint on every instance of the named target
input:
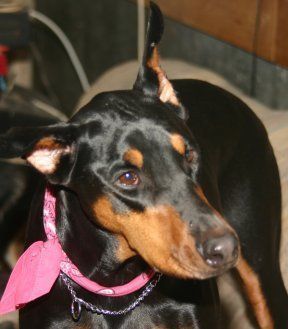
(169, 316)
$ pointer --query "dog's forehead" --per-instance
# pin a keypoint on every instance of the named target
(125, 105)
(128, 116)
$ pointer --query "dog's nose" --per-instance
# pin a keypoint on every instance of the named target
(220, 251)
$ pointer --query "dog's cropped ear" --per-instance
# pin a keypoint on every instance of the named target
(50, 150)
(151, 79)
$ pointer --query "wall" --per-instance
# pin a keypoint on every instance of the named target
(104, 33)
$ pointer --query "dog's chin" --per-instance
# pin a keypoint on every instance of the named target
(183, 270)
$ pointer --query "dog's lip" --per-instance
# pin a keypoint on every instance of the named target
(190, 272)
(194, 273)
(226, 266)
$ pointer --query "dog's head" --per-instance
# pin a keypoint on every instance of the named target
(133, 162)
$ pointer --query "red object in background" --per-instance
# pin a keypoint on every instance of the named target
(3, 61)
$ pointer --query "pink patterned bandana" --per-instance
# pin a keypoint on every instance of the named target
(40, 265)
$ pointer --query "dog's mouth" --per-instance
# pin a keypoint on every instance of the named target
(187, 264)
(193, 273)
(177, 254)
(182, 258)
(165, 241)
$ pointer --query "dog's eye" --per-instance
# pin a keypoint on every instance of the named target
(129, 178)
(189, 154)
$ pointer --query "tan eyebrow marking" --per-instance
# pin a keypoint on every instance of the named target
(178, 143)
(134, 157)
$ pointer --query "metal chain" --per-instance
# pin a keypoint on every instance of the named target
(77, 303)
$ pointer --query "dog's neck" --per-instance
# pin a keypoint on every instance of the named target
(90, 248)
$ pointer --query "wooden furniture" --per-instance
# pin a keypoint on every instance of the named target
(257, 26)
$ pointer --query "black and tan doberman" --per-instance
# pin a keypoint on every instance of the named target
(176, 175)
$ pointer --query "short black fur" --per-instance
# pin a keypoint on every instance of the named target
(233, 164)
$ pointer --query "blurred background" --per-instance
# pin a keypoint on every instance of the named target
(55, 55)
(245, 41)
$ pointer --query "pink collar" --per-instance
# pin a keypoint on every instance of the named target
(40, 265)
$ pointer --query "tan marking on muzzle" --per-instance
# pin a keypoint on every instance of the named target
(255, 294)
(134, 157)
(202, 196)
(178, 143)
(124, 251)
(159, 235)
